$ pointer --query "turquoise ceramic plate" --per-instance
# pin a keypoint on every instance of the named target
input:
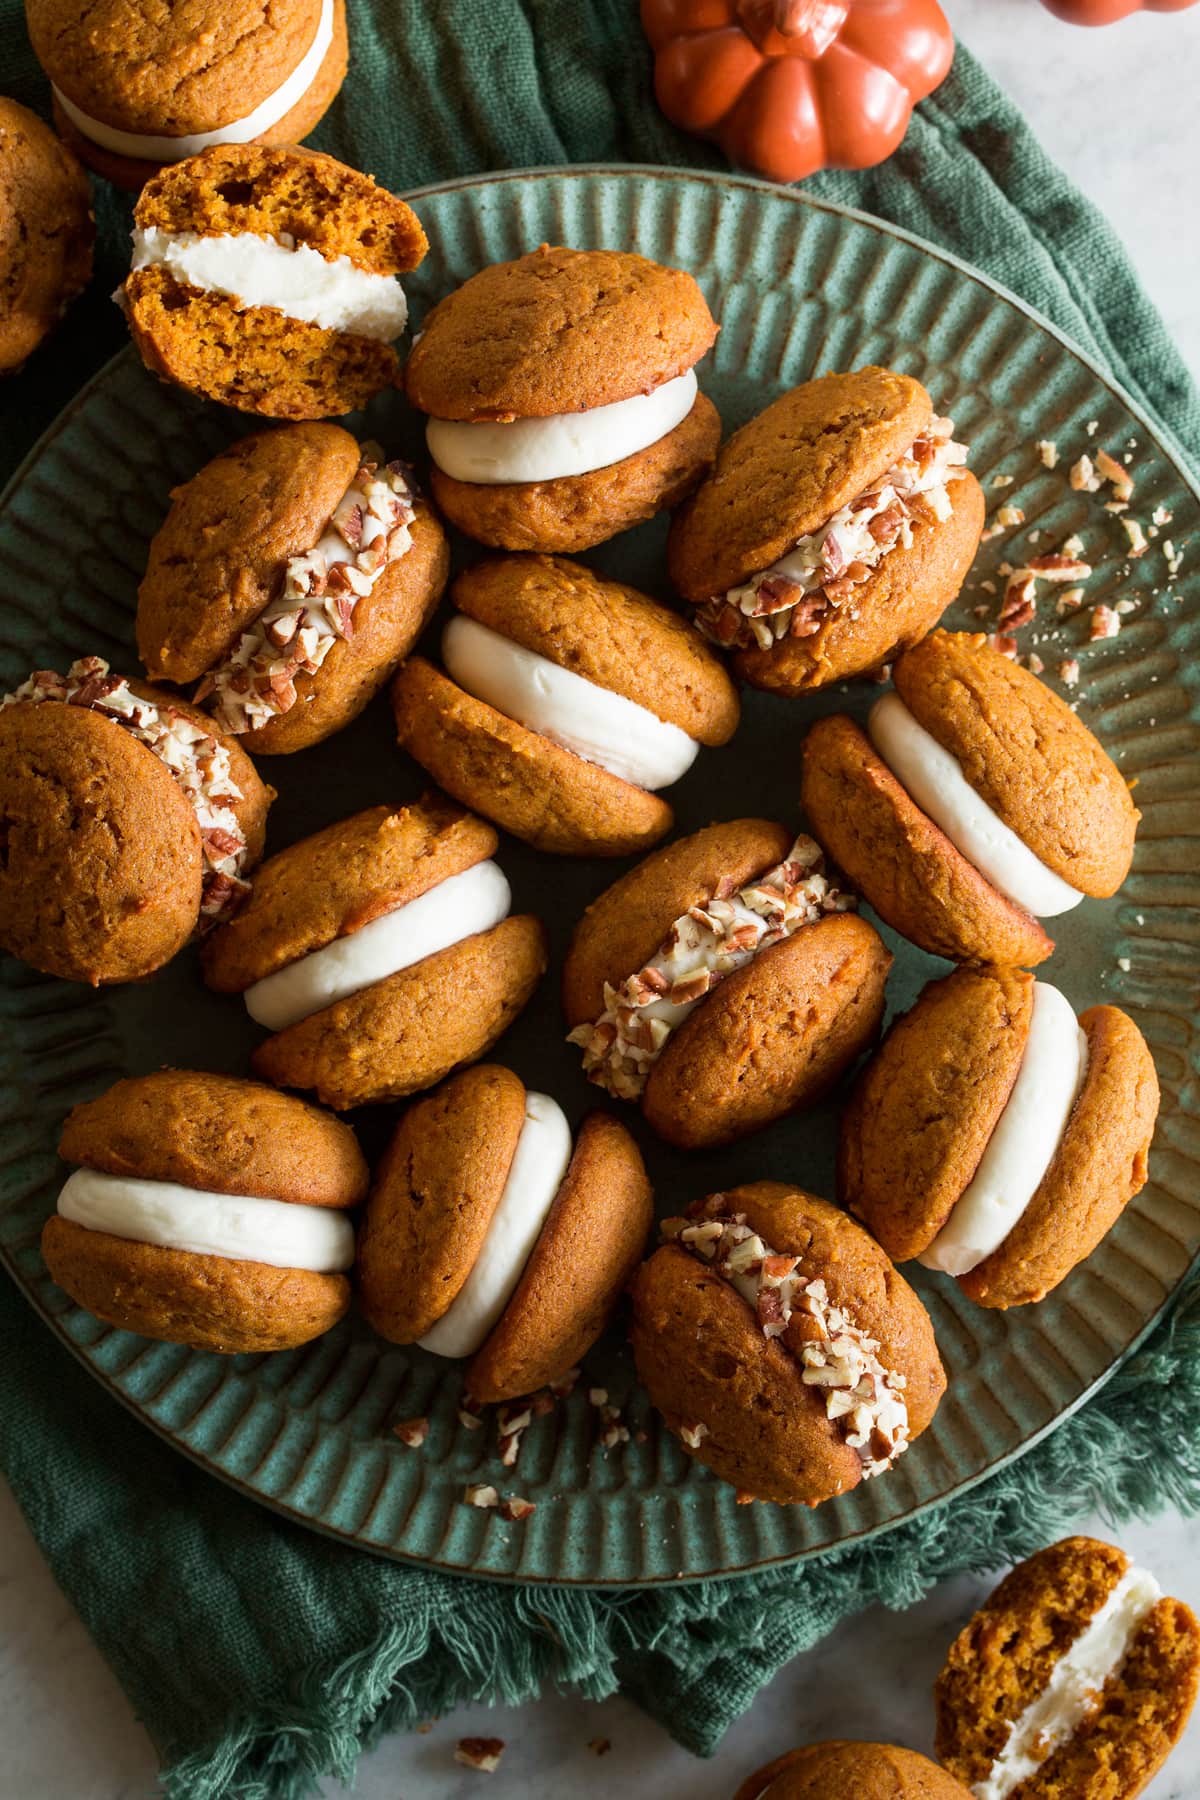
(799, 288)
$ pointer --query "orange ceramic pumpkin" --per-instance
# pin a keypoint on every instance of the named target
(1106, 12)
(788, 87)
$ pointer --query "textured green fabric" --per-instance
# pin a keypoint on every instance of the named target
(259, 1654)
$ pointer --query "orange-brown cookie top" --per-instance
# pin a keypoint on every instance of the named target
(788, 470)
(622, 929)
(1030, 757)
(46, 231)
(608, 633)
(433, 1198)
(591, 1242)
(218, 557)
(838, 1770)
(926, 1105)
(338, 880)
(557, 331)
(335, 210)
(218, 1133)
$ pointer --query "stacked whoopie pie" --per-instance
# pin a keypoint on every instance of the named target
(46, 232)
(840, 1770)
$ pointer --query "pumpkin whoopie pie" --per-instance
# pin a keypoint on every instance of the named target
(567, 702)
(975, 803)
(380, 952)
(836, 527)
(781, 1346)
(135, 88)
(723, 982)
(128, 820)
(489, 1235)
(207, 1210)
(842, 1770)
(1074, 1681)
(266, 279)
(46, 232)
(291, 575)
(997, 1137)
(562, 400)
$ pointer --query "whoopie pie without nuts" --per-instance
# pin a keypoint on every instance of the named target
(289, 578)
(567, 702)
(46, 232)
(562, 400)
(208, 1211)
(840, 1770)
(489, 1235)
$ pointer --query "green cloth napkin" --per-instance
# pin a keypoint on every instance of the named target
(258, 1654)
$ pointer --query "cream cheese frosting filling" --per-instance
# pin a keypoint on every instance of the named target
(602, 727)
(257, 270)
(238, 1227)
(199, 763)
(865, 1399)
(699, 950)
(934, 779)
(793, 596)
(534, 1178)
(294, 633)
(564, 444)
(1023, 1142)
(1075, 1685)
(164, 148)
(472, 901)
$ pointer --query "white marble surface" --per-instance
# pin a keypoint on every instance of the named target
(1118, 109)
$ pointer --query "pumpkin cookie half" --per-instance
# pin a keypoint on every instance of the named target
(135, 90)
(835, 529)
(128, 822)
(562, 400)
(974, 804)
(839, 1769)
(567, 702)
(997, 1137)
(781, 1346)
(489, 1235)
(1076, 1678)
(266, 279)
(46, 232)
(380, 953)
(290, 577)
(723, 983)
(207, 1211)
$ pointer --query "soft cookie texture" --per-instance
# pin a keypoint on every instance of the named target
(840, 1770)
(257, 358)
(180, 71)
(46, 232)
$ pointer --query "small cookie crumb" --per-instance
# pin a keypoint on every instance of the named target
(480, 1753)
(412, 1432)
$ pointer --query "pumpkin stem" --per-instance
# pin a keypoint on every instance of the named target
(806, 27)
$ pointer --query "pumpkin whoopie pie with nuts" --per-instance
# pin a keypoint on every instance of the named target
(208, 1211)
(46, 232)
(489, 1234)
(266, 279)
(781, 1346)
(836, 528)
(128, 821)
(380, 952)
(996, 1136)
(137, 87)
(842, 1770)
(567, 702)
(290, 577)
(1074, 1681)
(975, 803)
(723, 982)
(562, 399)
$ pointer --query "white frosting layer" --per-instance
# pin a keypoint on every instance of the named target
(563, 444)
(456, 908)
(936, 782)
(149, 147)
(595, 723)
(237, 1226)
(542, 1154)
(1024, 1140)
(1075, 1682)
(294, 278)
